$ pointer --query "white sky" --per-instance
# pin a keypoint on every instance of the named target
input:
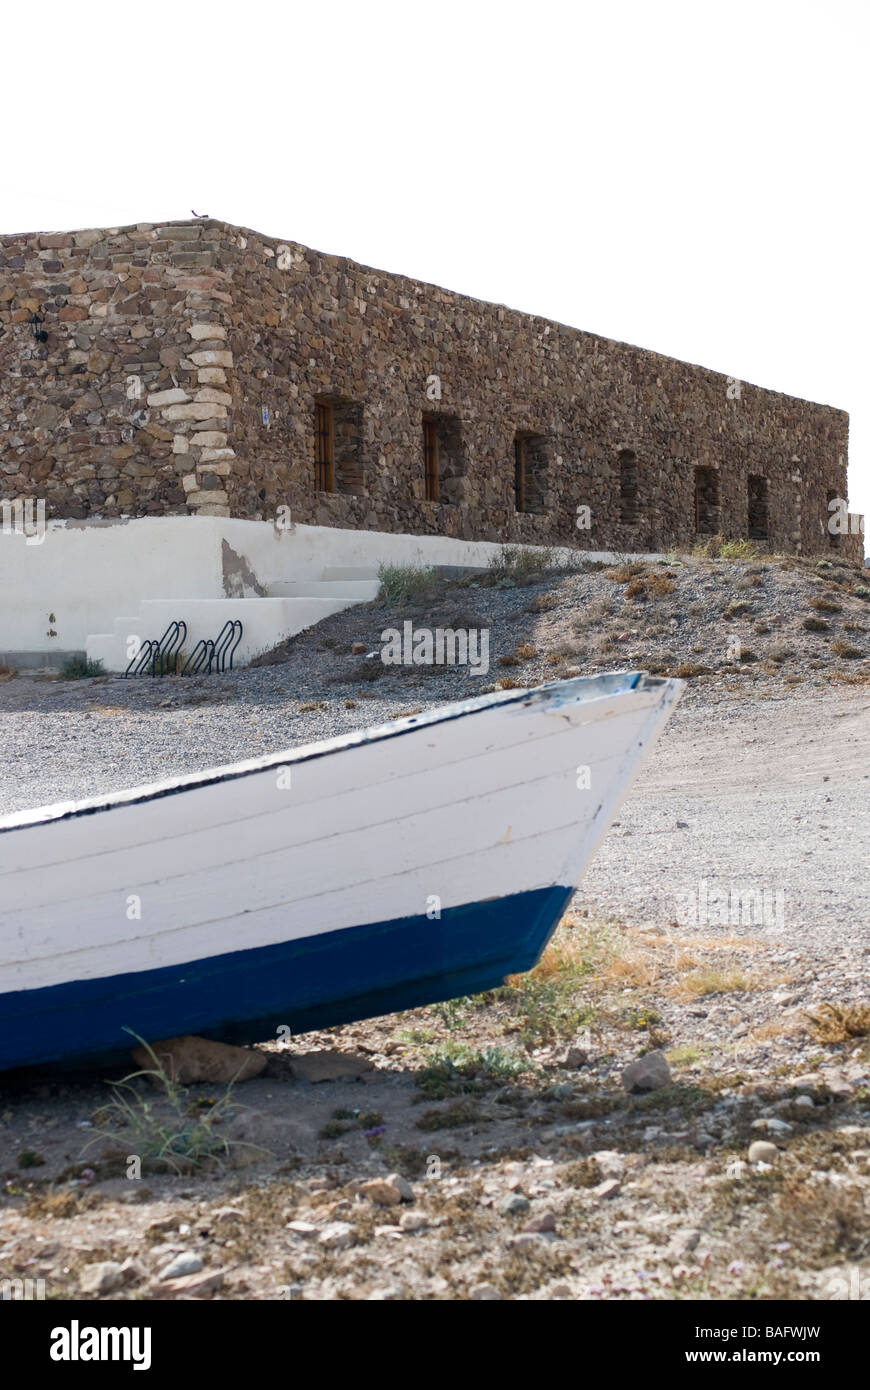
(687, 177)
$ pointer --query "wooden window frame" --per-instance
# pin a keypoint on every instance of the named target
(324, 447)
(430, 459)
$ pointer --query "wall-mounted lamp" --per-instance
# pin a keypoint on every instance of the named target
(39, 333)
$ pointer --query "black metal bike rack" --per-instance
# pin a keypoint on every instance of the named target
(202, 655)
(159, 657)
(226, 644)
(159, 653)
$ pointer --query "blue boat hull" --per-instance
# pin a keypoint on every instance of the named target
(316, 982)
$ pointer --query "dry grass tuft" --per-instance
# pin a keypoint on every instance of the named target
(846, 650)
(687, 670)
(543, 603)
(836, 1023)
(623, 574)
(660, 585)
(710, 980)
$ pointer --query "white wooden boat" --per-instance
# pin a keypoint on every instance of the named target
(377, 871)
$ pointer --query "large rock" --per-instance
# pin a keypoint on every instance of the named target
(190, 1059)
(183, 1264)
(387, 1192)
(101, 1278)
(648, 1073)
(761, 1151)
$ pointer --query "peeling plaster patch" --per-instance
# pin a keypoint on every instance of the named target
(238, 577)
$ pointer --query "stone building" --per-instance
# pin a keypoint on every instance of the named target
(201, 368)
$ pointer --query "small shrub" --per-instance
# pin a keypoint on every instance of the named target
(515, 564)
(635, 589)
(815, 625)
(526, 652)
(736, 550)
(29, 1159)
(460, 1112)
(738, 608)
(407, 583)
(7, 673)
(169, 1131)
(77, 668)
(825, 605)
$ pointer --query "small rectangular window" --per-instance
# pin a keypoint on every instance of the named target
(324, 447)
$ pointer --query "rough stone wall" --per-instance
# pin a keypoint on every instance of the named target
(112, 354)
(182, 365)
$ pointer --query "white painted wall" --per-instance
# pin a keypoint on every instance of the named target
(86, 574)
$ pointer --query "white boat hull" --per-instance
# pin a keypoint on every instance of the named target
(372, 872)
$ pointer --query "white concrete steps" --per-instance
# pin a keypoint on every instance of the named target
(354, 590)
(333, 572)
(290, 606)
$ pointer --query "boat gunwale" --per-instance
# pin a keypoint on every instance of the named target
(556, 692)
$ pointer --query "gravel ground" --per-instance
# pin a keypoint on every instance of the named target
(66, 739)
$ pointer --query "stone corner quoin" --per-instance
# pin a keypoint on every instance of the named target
(200, 368)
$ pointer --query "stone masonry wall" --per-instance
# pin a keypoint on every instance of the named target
(180, 366)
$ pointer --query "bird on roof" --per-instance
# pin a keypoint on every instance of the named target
(199, 214)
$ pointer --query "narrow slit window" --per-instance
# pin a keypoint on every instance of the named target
(520, 473)
(430, 459)
(628, 488)
(758, 523)
(324, 447)
(531, 470)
